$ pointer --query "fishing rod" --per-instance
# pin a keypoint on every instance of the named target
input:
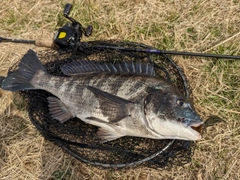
(158, 51)
(39, 43)
(50, 44)
(70, 35)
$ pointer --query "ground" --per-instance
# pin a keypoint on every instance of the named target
(198, 26)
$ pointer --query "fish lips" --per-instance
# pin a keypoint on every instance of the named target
(195, 126)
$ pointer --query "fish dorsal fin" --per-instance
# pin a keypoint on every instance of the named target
(119, 67)
(113, 107)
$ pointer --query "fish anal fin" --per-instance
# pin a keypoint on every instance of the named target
(58, 110)
(109, 134)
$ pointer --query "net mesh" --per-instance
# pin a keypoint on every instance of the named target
(80, 139)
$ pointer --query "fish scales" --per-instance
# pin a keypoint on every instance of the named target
(123, 99)
(110, 84)
(82, 102)
(71, 89)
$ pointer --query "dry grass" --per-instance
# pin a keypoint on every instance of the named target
(201, 26)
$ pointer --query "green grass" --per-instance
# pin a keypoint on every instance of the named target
(61, 174)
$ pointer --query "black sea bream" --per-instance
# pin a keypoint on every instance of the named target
(122, 99)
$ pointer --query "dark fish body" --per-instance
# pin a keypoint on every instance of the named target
(125, 99)
(73, 90)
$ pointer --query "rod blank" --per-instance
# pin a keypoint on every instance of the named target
(17, 40)
(156, 51)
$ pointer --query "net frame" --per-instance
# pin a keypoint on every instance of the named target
(123, 152)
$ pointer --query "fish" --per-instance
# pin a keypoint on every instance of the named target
(124, 98)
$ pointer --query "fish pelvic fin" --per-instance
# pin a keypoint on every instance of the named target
(106, 131)
(58, 110)
(20, 78)
(108, 134)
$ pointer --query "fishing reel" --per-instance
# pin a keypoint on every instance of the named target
(71, 33)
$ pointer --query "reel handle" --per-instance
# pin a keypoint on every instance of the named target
(67, 9)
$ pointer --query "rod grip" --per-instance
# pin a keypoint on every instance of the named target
(44, 43)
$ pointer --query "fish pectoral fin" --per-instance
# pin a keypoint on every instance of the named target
(113, 107)
(108, 134)
(58, 110)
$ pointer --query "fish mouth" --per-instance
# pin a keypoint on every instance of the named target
(197, 126)
(196, 129)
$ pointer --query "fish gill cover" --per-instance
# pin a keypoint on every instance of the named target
(80, 139)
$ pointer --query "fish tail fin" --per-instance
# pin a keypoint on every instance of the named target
(21, 78)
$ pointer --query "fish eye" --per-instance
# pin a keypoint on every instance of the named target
(181, 103)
